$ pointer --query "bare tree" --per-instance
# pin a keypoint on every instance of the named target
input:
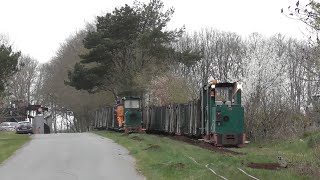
(22, 83)
(60, 97)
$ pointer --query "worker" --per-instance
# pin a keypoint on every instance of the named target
(120, 112)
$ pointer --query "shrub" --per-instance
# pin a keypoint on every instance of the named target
(314, 141)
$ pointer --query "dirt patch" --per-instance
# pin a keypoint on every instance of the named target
(178, 165)
(270, 166)
(205, 145)
(153, 147)
(136, 138)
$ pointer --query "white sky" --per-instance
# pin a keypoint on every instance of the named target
(37, 27)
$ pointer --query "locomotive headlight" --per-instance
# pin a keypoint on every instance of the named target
(213, 86)
(239, 85)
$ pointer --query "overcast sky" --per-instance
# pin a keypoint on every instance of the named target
(37, 27)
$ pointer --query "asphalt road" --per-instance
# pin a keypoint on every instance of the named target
(83, 156)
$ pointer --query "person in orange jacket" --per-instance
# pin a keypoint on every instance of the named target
(120, 113)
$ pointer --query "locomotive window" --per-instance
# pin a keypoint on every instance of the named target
(131, 104)
(223, 93)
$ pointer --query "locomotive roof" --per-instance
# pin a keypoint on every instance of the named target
(130, 97)
(222, 84)
(225, 84)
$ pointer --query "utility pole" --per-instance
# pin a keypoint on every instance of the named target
(61, 126)
(54, 117)
(67, 120)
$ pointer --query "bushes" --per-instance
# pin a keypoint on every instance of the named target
(271, 124)
(314, 142)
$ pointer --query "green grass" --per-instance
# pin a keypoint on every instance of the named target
(10, 142)
(160, 157)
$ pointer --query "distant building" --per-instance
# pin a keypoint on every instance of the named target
(17, 111)
(20, 111)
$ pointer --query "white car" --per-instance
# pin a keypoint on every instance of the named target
(24, 127)
(8, 126)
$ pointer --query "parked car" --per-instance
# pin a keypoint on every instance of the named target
(8, 126)
(24, 127)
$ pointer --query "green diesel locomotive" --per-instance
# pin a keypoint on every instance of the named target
(132, 114)
(222, 115)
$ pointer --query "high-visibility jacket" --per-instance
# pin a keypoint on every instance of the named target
(120, 111)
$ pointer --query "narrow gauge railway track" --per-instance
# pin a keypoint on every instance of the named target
(190, 140)
(204, 145)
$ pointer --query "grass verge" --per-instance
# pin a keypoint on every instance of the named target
(10, 142)
(160, 157)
